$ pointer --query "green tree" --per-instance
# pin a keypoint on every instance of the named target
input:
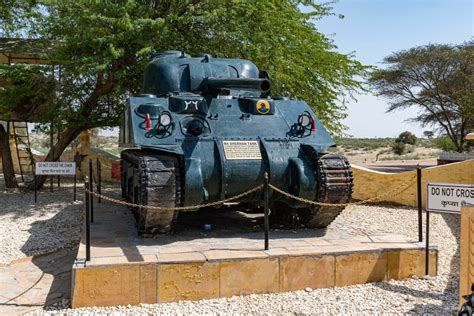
(24, 94)
(428, 134)
(436, 79)
(406, 138)
(103, 47)
(444, 143)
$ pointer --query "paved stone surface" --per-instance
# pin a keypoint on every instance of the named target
(232, 252)
(35, 282)
(233, 235)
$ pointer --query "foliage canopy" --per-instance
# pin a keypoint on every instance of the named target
(406, 138)
(436, 79)
(100, 49)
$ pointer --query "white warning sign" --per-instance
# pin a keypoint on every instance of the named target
(242, 150)
(447, 197)
(55, 168)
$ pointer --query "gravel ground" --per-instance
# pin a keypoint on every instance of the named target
(54, 222)
(27, 229)
(413, 296)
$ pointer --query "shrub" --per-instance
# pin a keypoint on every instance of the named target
(444, 143)
(409, 149)
(398, 148)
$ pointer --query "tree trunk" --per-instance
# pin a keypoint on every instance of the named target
(67, 136)
(458, 142)
(7, 161)
(461, 144)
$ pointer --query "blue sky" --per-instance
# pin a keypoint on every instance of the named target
(375, 28)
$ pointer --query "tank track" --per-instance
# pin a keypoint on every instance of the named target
(336, 184)
(156, 180)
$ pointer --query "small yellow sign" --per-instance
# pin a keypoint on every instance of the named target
(263, 106)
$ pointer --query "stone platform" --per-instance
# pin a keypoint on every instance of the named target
(229, 259)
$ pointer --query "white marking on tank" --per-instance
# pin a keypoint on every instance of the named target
(193, 103)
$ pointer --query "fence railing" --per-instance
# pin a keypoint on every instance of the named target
(266, 186)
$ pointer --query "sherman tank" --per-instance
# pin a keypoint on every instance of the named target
(206, 129)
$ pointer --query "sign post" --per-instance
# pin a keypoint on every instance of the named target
(52, 168)
(445, 198)
(419, 200)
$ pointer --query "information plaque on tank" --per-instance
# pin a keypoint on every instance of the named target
(241, 150)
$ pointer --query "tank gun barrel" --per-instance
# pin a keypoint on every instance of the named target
(262, 85)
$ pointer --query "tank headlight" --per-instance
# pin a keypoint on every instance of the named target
(165, 119)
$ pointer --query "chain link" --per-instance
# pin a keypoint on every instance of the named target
(394, 192)
(177, 208)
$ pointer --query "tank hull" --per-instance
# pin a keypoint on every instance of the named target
(211, 176)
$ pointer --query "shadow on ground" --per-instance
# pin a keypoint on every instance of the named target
(451, 291)
(42, 280)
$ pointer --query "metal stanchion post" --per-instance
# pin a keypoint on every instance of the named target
(36, 190)
(51, 143)
(427, 246)
(75, 181)
(419, 200)
(91, 189)
(59, 178)
(265, 197)
(88, 225)
(99, 179)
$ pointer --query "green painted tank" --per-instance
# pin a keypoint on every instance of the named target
(206, 129)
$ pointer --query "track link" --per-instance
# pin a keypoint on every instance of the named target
(336, 184)
(151, 178)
